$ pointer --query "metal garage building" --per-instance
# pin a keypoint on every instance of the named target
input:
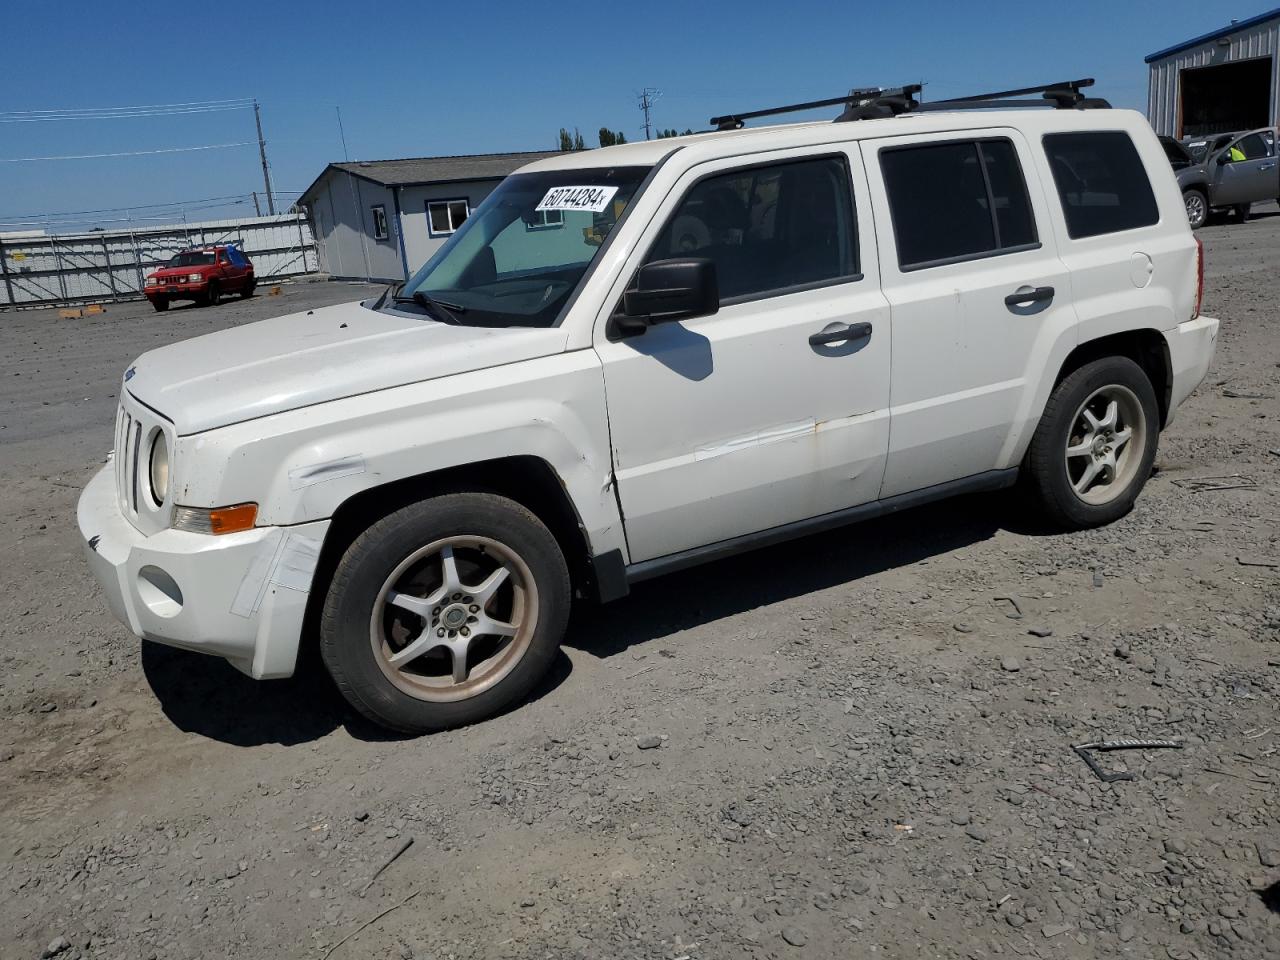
(1223, 81)
(382, 219)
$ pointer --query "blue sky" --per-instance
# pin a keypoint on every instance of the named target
(422, 79)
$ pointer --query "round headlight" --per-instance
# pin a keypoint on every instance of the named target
(159, 468)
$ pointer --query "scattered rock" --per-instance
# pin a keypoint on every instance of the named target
(56, 946)
(795, 936)
(648, 743)
(1010, 665)
(1040, 632)
(962, 628)
(977, 833)
(1268, 856)
(1050, 930)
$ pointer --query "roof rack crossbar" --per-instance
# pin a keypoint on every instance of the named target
(852, 99)
(875, 102)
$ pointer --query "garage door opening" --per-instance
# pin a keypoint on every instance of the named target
(1232, 96)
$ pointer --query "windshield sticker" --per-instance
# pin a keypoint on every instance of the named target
(589, 199)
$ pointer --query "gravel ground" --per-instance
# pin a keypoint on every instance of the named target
(853, 745)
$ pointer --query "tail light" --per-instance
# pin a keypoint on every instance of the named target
(1199, 277)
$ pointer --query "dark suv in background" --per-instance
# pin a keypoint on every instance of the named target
(1227, 171)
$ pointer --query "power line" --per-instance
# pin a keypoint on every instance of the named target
(132, 206)
(130, 153)
(120, 113)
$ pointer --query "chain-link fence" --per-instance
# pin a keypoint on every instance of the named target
(105, 265)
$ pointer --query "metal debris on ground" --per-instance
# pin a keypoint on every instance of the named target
(1234, 481)
(1017, 610)
(1257, 562)
(1106, 745)
(388, 862)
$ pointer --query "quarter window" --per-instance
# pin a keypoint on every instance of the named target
(380, 222)
(1101, 182)
(446, 216)
(768, 229)
(957, 201)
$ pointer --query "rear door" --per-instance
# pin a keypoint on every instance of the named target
(978, 295)
(734, 423)
(1252, 176)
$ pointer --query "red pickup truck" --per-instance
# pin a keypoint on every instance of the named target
(202, 274)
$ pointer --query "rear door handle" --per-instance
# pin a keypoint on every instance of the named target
(1027, 295)
(849, 331)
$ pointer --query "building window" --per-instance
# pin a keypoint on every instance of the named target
(380, 222)
(545, 220)
(446, 216)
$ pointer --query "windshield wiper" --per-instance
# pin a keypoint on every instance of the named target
(439, 308)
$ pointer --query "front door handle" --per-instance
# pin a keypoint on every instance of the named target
(848, 331)
(1024, 296)
(1266, 166)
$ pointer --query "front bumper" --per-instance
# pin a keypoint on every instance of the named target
(176, 291)
(241, 596)
(1191, 348)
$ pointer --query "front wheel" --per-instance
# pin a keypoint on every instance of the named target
(1197, 205)
(160, 305)
(445, 612)
(214, 295)
(1096, 442)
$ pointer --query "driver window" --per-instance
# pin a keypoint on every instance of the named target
(768, 228)
(1252, 147)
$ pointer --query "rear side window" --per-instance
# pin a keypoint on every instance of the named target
(769, 229)
(1253, 147)
(1101, 182)
(957, 201)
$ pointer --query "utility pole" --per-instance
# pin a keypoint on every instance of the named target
(342, 133)
(262, 153)
(646, 97)
(257, 208)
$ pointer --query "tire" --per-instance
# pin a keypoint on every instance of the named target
(1055, 476)
(385, 598)
(1197, 205)
(213, 296)
(1241, 211)
(247, 290)
(160, 305)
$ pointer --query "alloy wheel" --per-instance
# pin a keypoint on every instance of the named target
(454, 618)
(1105, 444)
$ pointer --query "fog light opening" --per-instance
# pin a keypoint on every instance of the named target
(159, 591)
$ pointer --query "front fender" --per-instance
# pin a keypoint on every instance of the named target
(302, 465)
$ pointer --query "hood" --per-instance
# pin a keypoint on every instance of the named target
(180, 271)
(306, 358)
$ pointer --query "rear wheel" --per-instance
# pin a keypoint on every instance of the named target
(1197, 205)
(445, 612)
(1096, 442)
(160, 305)
(1241, 210)
(247, 291)
(214, 295)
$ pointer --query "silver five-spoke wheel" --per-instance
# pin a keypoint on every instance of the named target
(1104, 448)
(454, 618)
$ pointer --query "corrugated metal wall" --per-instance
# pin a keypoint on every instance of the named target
(1261, 40)
(111, 264)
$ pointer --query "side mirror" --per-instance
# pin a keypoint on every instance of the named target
(668, 290)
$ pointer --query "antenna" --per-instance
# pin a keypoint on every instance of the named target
(262, 154)
(647, 96)
(342, 133)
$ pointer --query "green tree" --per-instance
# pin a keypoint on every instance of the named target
(566, 141)
(609, 138)
(578, 142)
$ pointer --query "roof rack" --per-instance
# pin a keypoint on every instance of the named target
(868, 104)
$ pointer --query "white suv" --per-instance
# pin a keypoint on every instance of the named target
(639, 358)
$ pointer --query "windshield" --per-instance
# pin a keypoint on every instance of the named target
(190, 258)
(521, 254)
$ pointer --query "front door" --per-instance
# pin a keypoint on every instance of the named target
(977, 291)
(760, 414)
(1246, 172)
